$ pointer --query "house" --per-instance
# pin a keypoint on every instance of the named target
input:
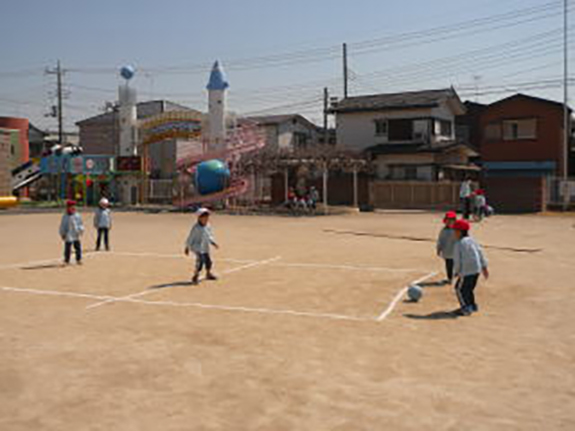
(287, 132)
(522, 145)
(410, 136)
(5, 163)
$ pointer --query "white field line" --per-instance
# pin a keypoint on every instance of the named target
(251, 310)
(33, 263)
(55, 293)
(191, 305)
(171, 256)
(286, 264)
(347, 267)
(150, 291)
(401, 294)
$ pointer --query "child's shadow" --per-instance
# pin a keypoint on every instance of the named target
(173, 284)
(437, 315)
(45, 266)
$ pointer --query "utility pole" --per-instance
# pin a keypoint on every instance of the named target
(345, 70)
(566, 120)
(325, 108)
(567, 132)
(58, 72)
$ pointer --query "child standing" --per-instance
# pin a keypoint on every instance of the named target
(71, 230)
(446, 244)
(199, 241)
(469, 263)
(480, 205)
(103, 223)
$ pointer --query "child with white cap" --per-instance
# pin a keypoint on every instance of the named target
(199, 241)
(103, 223)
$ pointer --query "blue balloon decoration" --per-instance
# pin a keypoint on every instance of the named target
(212, 176)
(127, 72)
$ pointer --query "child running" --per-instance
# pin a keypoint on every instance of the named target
(468, 263)
(446, 243)
(103, 223)
(71, 230)
(199, 241)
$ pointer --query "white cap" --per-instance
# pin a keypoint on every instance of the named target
(104, 201)
(202, 211)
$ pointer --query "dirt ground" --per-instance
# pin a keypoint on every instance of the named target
(307, 328)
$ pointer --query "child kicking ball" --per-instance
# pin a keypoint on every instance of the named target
(468, 263)
(199, 241)
(71, 230)
(446, 244)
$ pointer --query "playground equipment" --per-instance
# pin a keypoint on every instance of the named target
(8, 202)
(212, 176)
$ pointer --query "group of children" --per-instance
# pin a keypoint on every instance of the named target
(305, 202)
(464, 261)
(474, 202)
(199, 240)
(463, 256)
(72, 229)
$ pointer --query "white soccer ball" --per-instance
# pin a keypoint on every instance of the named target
(415, 292)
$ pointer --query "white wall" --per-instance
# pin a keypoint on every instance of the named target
(356, 131)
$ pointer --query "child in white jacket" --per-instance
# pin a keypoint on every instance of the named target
(71, 230)
(446, 244)
(468, 263)
(103, 223)
(199, 241)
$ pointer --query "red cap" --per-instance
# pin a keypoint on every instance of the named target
(462, 225)
(450, 215)
(480, 192)
(70, 203)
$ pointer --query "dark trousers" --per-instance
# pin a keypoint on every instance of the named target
(466, 202)
(203, 259)
(103, 232)
(68, 251)
(449, 268)
(465, 290)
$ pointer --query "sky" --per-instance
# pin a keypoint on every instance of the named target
(278, 55)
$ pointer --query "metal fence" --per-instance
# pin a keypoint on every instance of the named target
(560, 191)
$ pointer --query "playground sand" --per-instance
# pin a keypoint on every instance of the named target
(278, 345)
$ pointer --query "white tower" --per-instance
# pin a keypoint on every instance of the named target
(217, 87)
(128, 114)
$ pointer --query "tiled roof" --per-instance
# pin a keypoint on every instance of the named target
(412, 99)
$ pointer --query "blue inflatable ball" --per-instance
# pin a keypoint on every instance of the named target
(212, 176)
(414, 292)
(127, 72)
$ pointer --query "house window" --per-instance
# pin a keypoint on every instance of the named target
(520, 129)
(445, 128)
(410, 172)
(380, 127)
(400, 130)
(300, 140)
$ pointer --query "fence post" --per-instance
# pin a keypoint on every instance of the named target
(355, 188)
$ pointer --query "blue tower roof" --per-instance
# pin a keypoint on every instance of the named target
(218, 79)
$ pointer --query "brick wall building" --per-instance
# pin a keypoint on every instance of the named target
(5, 163)
(521, 146)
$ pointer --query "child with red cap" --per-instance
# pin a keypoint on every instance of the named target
(71, 230)
(468, 263)
(446, 243)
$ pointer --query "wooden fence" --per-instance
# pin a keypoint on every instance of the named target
(414, 195)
